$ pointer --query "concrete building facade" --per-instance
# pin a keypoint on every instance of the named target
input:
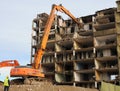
(80, 57)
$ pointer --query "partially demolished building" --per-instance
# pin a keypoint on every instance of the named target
(80, 57)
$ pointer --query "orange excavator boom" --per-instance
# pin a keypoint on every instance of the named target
(8, 63)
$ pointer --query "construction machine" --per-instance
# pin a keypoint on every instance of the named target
(8, 63)
(35, 70)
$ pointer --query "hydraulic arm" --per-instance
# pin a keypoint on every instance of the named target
(50, 20)
(8, 63)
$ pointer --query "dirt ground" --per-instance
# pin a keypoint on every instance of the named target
(46, 87)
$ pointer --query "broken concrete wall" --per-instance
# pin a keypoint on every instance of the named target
(84, 56)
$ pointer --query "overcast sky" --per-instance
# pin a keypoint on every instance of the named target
(16, 22)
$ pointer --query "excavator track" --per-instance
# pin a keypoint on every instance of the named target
(30, 81)
(18, 81)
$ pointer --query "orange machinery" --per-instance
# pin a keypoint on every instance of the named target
(8, 63)
(35, 70)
